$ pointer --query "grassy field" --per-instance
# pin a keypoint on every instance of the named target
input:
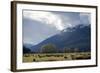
(56, 57)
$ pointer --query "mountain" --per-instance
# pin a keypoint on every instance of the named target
(76, 37)
(27, 45)
(26, 50)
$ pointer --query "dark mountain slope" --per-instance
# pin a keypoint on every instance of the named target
(77, 37)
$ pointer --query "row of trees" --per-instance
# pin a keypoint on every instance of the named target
(51, 48)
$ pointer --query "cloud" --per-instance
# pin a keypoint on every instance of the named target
(39, 25)
(45, 17)
(85, 18)
(59, 20)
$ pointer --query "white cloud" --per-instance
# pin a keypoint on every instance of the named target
(48, 18)
(56, 20)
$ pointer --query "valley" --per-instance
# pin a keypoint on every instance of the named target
(41, 57)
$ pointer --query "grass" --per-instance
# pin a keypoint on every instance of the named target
(55, 56)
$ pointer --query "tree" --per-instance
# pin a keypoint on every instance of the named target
(71, 50)
(67, 50)
(49, 48)
(76, 50)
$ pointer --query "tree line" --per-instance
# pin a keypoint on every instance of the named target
(51, 48)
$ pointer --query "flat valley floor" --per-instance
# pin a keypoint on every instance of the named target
(40, 57)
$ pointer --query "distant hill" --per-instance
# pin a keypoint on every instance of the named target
(76, 37)
(27, 45)
(26, 50)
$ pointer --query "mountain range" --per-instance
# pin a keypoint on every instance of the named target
(76, 37)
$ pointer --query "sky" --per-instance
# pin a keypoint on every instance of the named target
(40, 25)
